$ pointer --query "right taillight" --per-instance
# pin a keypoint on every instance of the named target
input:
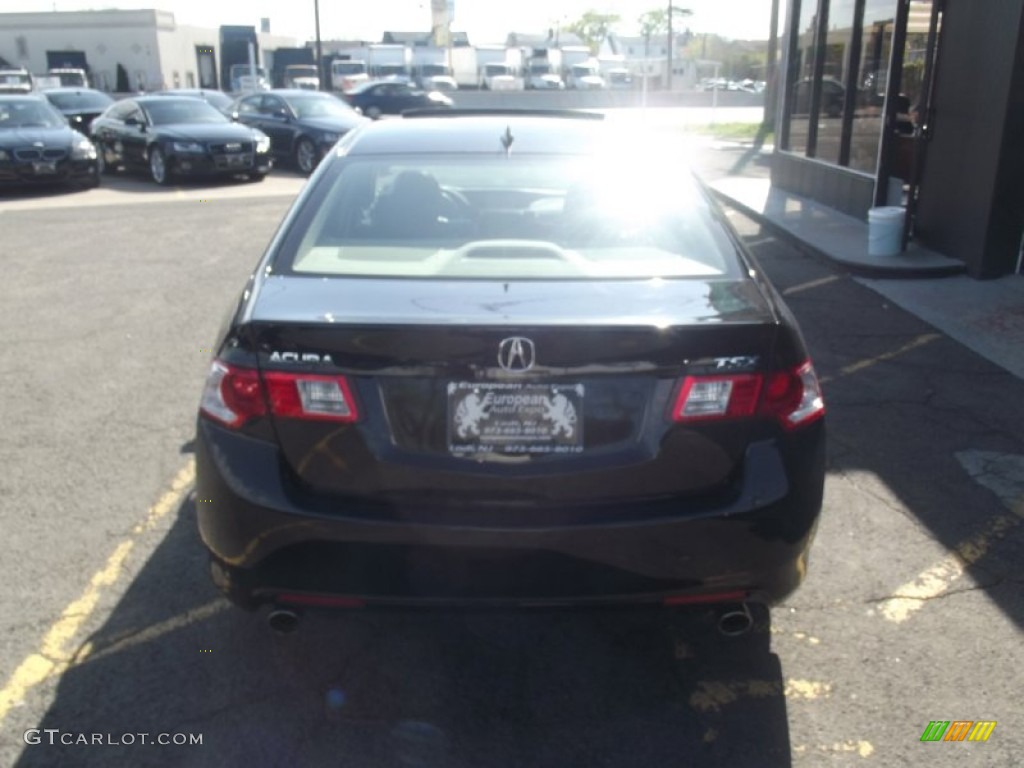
(793, 397)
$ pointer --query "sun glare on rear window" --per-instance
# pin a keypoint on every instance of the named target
(498, 217)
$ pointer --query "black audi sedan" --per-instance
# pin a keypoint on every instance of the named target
(80, 106)
(38, 146)
(393, 97)
(178, 137)
(302, 125)
(508, 359)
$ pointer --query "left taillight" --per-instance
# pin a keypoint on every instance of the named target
(234, 395)
(793, 397)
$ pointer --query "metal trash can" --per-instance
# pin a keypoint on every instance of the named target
(885, 230)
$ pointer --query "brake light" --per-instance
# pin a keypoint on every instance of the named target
(234, 395)
(309, 396)
(792, 397)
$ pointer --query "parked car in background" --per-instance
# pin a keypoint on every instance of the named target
(506, 360)
(71, 77)
(833, 97)
(15, 81)
(376, 98)
(38, 146)
(216, 99)
(302, 125)
(178, 137)
(80, 106)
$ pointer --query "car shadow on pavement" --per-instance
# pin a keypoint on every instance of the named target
(451, 689)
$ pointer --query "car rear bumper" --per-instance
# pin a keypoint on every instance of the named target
(265, 544)
(64, 171)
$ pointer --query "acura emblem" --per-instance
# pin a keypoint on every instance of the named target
(516, 354)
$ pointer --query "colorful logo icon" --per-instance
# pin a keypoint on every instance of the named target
(958, 730)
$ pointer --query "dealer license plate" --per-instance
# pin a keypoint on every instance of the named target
(514, 418)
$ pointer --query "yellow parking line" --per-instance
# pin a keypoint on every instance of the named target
(712, 695)
(1003, 474)
(89, 652)
(55, 650)
(862, 748)
(809, 285)
(860, 365)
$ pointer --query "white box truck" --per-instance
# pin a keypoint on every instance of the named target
(580, 70)
(498, 68)
(430, 69)
(386, 60)
(543, 69)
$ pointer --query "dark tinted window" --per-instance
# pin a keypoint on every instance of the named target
(29, 113)
(171, 111)
(80, 100)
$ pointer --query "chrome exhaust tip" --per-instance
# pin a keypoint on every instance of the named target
(735, 620)
(283, 621)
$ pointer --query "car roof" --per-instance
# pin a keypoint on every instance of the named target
(532, 133)
(72, 89)
(23, 97)
(298, 92)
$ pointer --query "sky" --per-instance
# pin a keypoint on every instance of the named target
(484, 20)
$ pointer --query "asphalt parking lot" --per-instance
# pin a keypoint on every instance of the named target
(111, 298)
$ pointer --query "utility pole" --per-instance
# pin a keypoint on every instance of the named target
(668, 74)
(319, 51)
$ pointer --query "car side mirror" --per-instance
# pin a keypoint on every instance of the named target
(281, 112)
(135, 123)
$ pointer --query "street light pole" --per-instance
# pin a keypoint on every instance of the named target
(668, 74)
(319, 51)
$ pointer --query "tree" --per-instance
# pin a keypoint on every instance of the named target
(593, 28)
(659, 22)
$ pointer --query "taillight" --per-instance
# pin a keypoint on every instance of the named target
(792, 397)
(309, 396)
(234, 395)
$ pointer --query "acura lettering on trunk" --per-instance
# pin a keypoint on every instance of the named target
(508, 359)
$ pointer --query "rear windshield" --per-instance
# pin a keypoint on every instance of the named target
(80, 100)
(498, 217)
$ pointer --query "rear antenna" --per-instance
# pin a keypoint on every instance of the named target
(507, 139)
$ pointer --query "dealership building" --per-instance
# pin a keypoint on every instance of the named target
(918, 103)
(148, 47)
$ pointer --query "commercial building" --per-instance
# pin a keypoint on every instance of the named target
(143, 50)
(918, 103)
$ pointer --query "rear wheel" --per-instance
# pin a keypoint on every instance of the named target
(305, 156)
(159, 170)
(373, 113)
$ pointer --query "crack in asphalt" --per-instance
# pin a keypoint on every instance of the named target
(942, 595)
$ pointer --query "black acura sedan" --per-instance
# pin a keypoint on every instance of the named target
(178, 137)
(38, 146)
(80, 106)
(508, 359)
(302, 125)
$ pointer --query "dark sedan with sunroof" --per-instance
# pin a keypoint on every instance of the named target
(508, 359)
(176, 137)
(37, 146)
(80, 106)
